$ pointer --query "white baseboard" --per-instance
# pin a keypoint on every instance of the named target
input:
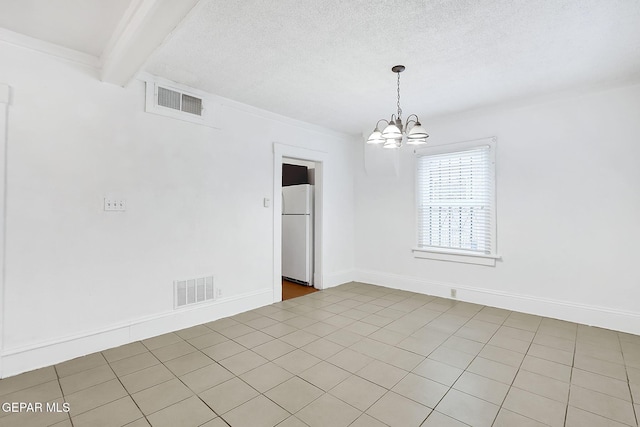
(17, 360)
(619, 320)
(338, 278)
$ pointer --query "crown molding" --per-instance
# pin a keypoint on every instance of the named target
(48, 48)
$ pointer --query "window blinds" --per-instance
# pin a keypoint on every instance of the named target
(455, 200)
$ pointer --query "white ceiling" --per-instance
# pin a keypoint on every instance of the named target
(328, 62)
(82, 25)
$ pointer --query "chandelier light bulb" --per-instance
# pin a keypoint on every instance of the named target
(417, 132)
(391, 131)
(375, 137)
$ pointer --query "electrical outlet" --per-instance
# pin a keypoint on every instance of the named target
(115, 205)
(218, 293)
(454, 293)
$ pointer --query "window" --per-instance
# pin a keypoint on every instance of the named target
(456, 202)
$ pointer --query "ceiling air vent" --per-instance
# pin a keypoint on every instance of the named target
(179, 101)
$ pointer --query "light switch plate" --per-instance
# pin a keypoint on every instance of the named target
(115, 205)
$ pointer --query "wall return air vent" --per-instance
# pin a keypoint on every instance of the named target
(193, 291)
(176, 102)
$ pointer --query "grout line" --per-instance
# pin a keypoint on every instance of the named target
(573, 363)
(387, 390)
(626, 371)
(63, 395)
(464, 370)
(128, 394)
(516, 375)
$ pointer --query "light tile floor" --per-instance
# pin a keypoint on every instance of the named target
(354, 355)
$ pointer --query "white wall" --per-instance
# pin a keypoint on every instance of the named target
(79, 279)
(568, 204)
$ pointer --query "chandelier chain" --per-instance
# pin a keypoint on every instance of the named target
(399, 109)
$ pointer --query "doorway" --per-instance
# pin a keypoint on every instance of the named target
(294, 290)
(298, 227)
(287, 154)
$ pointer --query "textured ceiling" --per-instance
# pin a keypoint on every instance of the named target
(82, 25)
(328, 62)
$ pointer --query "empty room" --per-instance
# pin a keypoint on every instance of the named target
(319, 213)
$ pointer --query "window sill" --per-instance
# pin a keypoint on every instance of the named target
(456, 256)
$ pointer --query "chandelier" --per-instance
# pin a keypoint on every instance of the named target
(395, 133)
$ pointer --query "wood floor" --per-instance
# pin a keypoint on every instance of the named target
(294, 290)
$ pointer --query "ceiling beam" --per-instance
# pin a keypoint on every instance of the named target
(145, 25)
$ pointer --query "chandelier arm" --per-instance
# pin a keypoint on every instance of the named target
(382, 120)
(414, 121)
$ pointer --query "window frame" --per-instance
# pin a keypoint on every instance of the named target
(452, 254)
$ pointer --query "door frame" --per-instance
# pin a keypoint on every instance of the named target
(280, 151)
(4, 126)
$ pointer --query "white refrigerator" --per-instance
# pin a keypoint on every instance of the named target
(297, 233)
